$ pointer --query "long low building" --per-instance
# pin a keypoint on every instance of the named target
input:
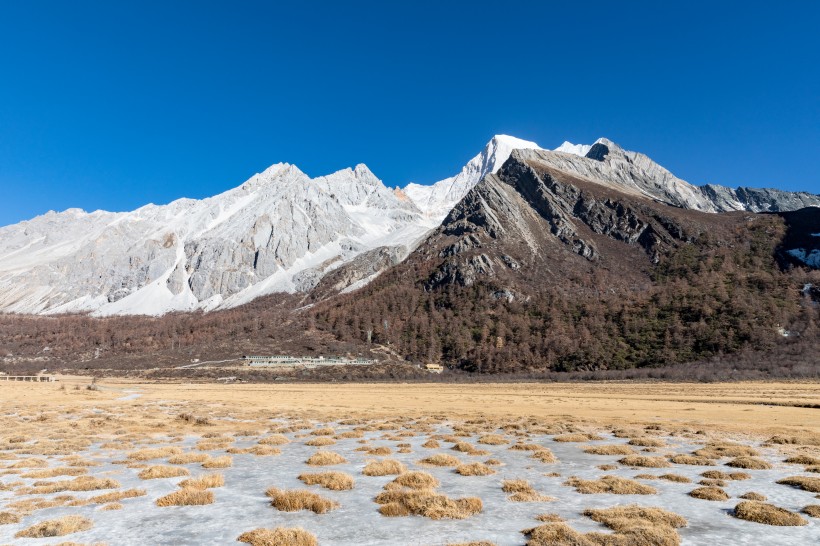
(307, 361)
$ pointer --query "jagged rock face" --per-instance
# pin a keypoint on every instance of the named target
(608, 164)
(514, 224)
(278, 232)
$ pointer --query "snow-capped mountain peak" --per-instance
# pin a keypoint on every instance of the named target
(574, 149)
(437, 199)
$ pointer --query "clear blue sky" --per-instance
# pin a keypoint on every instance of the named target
(114, 105)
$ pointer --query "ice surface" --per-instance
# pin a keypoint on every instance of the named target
(241, 504)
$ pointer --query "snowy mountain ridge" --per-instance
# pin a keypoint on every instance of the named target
(282, 232)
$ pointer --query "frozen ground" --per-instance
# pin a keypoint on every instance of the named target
(241, 505)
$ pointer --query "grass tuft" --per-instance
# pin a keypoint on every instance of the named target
(325, 458)
(335, 481)
(293, 500)
(769, 514)
(281, 536)
(610, 484)
(56, 527)
(187, 496)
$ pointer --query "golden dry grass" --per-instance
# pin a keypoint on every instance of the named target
(293, 500)
(55, 472)
(111, 506)
(612, 449)
(187, 496)
(384, 467)
(695, 460)
(379, 451)
(803, 459)
(802, 482)
(556, 534)
(326, 431)
(280, 536)
(637, 525)
(577, 437)
(321, 441)
(440, 459)
(205, 481)
(726, 449)
(116, 496)
(522, 491)
(474, 469)
(258, 450)
(749, 463)
(336, 481)
(495, 440)
(644, 461)
(769, 514)
(751, 495)
(812, 510)
(526, 447)
(80, 483)
(274, 440)
(415, 479)
(154, 453)
(325, 458)
(7, 518)
(225, 461)
(610, 484)
(56, 527)
(163, 471)
(187, 458)
(544, 455)
(710, 493)
(645, 441)
(427, 503)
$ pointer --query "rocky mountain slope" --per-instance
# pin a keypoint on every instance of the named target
(283, 232)
(542, 268)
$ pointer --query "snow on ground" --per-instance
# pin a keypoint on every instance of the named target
(241, 504)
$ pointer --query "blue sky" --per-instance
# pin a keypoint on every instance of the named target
(114, 105)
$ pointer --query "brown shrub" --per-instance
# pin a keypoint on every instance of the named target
(205, 481)
(162, 471)
(577, 437)
(612, 449)
(644, 461)
(225, 461)
(327, 431)
(80, 483)
(646, 442)
(610, 484)
(803, 459)
(280, 536)
(294, 500)
(187, 496)
(413, 480)
(56, 527)
(154, 453)
(427, 503)
(336, 481)
(321, 441)
(474, 469)
(555, 534)
(274, 440)
(116, 496)
(440, 459)
(726, 449)
(522, 491)
(495, 440)
(751, 495)
(54, 472)
(802, 482)
(7, 518)
(760, 512)
(751, 463)
(384, 467)
(325, 458)
(691, 460)
(186, 458)
(711, 493)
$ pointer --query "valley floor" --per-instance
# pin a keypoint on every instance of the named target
(498, 457)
